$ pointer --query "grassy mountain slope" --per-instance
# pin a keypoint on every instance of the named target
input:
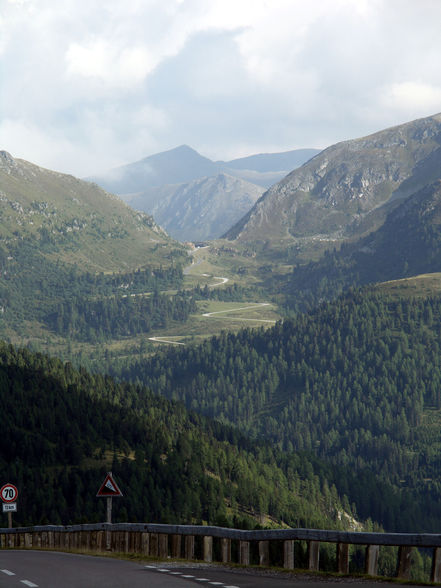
(62, 429)
(67, 249)
(356, 381)
(84, 224)
(347, 189)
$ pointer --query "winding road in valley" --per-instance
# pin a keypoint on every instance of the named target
(216, 314)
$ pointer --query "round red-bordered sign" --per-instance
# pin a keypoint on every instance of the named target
(8, 493)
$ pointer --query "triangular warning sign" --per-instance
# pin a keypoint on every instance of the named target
(109, 487)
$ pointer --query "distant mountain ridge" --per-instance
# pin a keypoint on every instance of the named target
(183, 164)
(157, 185)
(347, 189)
(199, 210)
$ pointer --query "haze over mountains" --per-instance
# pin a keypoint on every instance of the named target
(195, 198)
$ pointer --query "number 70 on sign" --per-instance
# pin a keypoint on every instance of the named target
(8, 493)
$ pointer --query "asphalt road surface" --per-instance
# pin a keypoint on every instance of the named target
(45, 569)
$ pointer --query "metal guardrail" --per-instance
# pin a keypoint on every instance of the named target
(178, 541)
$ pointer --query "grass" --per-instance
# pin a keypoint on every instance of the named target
(422, 286)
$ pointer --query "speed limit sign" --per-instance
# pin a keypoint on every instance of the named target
(8, 493)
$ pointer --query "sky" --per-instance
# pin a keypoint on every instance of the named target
(86, 86)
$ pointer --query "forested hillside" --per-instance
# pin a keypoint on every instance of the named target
(84, 306)
(356, 381)
(62, 429)
(75, 261)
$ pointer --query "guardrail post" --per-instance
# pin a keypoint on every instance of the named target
(435, 575)
(163, 545)
(288, 554)
(404, 561)
(313, 555)
(343, 558)
(264, 553)
(226, 550)
(154, 547)
(145, 543)
(208, 548)
(189, 547)
(244, 553)
(176, 546)
(371, 560)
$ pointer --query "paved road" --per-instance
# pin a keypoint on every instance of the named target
(45, 569)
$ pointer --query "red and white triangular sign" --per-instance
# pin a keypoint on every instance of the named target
(109, 487)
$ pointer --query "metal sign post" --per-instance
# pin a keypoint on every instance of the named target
(9, 495)
(109, 489)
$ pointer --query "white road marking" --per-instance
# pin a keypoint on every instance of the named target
(162, 570)
(164, 340)
(29, 583)
(222, 281)
(151, 567)
(216, 583)
(8, 572)
(187, 576)
(239, 308)
(175, 573)
(202, 579)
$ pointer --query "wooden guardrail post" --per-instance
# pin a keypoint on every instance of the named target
(313, 555)
(176, 546)
(145, 543)
(288, 554)
(404, 561)
(244, 553)
(435, 575)
(343, 558)
(264, 559)
(163, 545)
(189, 547)
(154, 547)
(371, 560)
(208, 548)
(226, 549)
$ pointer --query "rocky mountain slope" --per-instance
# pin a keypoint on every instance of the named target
(347, 189)
(199, 210)
(82, 222)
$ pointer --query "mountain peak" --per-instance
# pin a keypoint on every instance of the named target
(6, 158)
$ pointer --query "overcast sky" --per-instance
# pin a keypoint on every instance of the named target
(86, 85)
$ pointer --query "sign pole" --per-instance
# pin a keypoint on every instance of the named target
(10, 520)
(109, 509)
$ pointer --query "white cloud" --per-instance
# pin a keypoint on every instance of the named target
(412, 96)
(88, 86)
(100, 59)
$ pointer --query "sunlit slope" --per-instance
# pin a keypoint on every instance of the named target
(75, 221)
